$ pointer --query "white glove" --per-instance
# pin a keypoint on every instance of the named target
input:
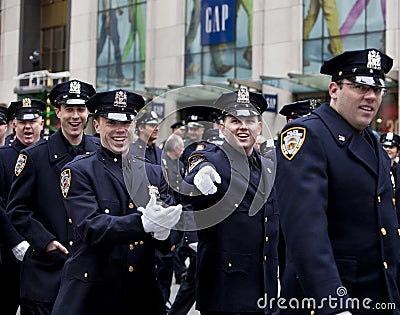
(20, 250)
(205, 178)
(344, 313)
(194, 246)
(159, 220)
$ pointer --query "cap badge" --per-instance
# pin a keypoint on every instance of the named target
(75, 87)
(313, 104)
(26, 102)
(374, 60)
(243, 95)
(292, 141)
(65, 182)
(120, 99)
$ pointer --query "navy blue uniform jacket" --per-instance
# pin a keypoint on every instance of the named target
(338, 215)
(37, 211)
(112, 268)
(237, 258)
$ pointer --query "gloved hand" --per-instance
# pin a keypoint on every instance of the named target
(159, 220)
(20, 250)
(205, 178)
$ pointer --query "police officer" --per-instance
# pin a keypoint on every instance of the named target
(3, 124)
(112, 269)
(147, 129)
(35, 204)
(335, 197)
(298, 109)
(27, 121)
(391, 144)
(237, 241)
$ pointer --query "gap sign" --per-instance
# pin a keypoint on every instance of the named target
(218, 21)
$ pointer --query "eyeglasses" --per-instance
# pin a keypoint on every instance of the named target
(364, 89)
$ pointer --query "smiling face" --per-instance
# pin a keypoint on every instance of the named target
(114, 135)
(241, 132)
(73, 119)
(28, 131)
(357, 109)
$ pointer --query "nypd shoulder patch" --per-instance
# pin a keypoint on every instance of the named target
(20, 164)
(65, 182)
(195, 160)
(292, 141)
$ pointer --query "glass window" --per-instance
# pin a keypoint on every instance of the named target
(218, 40)
(121, 44)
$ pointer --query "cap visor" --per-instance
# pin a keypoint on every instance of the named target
(372, 81)
(75, 101)
(118, 116)
(242, 113)
(27, 116)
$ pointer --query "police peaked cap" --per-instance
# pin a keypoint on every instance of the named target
(147, 117)
(299, 108)
(367, 66)
(390, 139)
(177, 124)
(194, 121)
(26, 109)
(73, 92)
(3, 115)
(241, 103)
(118, 105)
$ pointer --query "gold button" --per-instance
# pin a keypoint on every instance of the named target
(71, 243)
(107, 210)
(70, 220)
(266, 238)
(394, 201)
(312, 313)
(398, 231)
(379, 198)
(141, 242)
(85, 275)
(172, 248)
(191, 194)
(131, 247)
(131, 205)
(385, 265)
(266, 219)
(230, 265)
(236, 205)
(265, 258)
(130, 269)
(383, 231)
(136, 243)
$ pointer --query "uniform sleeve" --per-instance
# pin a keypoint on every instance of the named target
(21, 207)
(302, 192)
(92, 226)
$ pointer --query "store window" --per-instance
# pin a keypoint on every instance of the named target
(331, 27)
(121, 44)
(218, 40)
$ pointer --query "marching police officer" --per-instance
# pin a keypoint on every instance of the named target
(112, 269)
(35, 204)
(27, 121)
(144, 146)
(391, 144)
(298, 109)
(335, 197)
(237, 238)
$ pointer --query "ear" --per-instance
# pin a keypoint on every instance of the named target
(333, 89)
(96, 125)
(57, 110)
(13, 124)
(221, 127)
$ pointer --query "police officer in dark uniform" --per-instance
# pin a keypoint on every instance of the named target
(27, 121)
(237, 238)
(195, 126)
(147, 129)
(112, 269)
(35, 204)
(391, 144)
(3, 124)
(336, 199)
(298, 109)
